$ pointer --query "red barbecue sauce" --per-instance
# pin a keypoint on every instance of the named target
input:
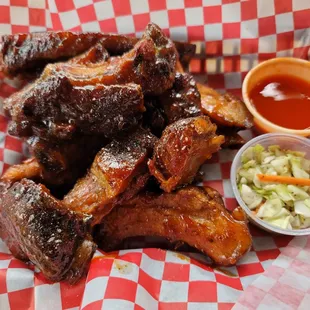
(284, 100)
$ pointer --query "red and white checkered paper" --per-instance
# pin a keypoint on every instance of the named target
(231, 36)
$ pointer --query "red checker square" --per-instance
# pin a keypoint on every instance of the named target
(77, 29)
(283, 6)
(214, 159)
(232, 64)
(134, 258)
(201, 265)
(214, 48)
(216, 81)
(16, 263)
(229, 281)
(37, 17)
(249, 46)
(87, 14)
(172, 306)
(96, 305)
(176, 18)
(266, 26)
(195, 65)
(156, 254)
(141, 20)
(282, 241)
(166, 31)
(3, 123)
(301, 52)
(236, 92)
(118, 288)
(231, 30)
(225, 168)
(231, 204)
(192, 3)
(3, 288)
(71, 295)
(176, 272)
(202, 291)
(5, 256)
(19, 3)
(151, 285)
(268, 254)
(156, 5)
(22, 299)
(248, 10)
(285, 41)
(229, 1)
(121, 7)
(137, 307)
(212, 14)
(225, 305)
(257, 232)
(218, 185)
(5, 167)
(40, 279)
(266, 56)
(108, 25)
(13, 144)
(301, 19)
(195, 33)
(64, 6)
(249, 269)
(57, 25)
(5, 14)
(99, 267)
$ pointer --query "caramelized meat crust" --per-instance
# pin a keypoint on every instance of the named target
(184, 146)
(57, 108)
(119, 171)
(38, 227)
(192, 215)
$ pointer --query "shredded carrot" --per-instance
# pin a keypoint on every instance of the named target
(283, 179)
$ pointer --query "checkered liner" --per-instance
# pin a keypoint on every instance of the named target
(231, 36)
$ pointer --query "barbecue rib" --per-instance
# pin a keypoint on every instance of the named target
(193, 215)
(38, 227)
(118, 172)
(184, 146)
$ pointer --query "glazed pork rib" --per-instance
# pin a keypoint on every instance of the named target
(183, 147)
(193, 215)
(39, 228)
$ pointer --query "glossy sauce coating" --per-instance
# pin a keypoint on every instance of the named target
(284, 100)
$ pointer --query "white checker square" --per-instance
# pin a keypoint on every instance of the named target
(91, 26)
(144, 299)
(52, 6)
(202, 305)
(48, 297)
(300, 242)
(303, 256)
(48, 19)
(1, 167)
(4, 263)
(179, 33)
(91, 292)
(123, 252)
(231, 12)
(282, 261)
(11, 157)
(104, 10)
(248, 134)
(301, 38)
(125, 270)
(227, 295)
(265, 8)
(5, 29)
(19, 15)
(36, 4)
(175, 4)
(81, 3)
(249, 258)
(37, 29)
(233, 80)
(19, 279)
(160, 18)
(264, 283)
(139, 7)
(249, 29)
(194, 16)
(212, 171)
(248, 280)
(231, 47)
(213, 32)
(197, 273)
(228, 191)
(2, 139)
(211, 65)
(299, 5)
(271, 302)
(266, 264)
(7, 2)
(263, 243)
(304, 305)
(69, 19)
(296, 281)
(4, 248)
(267, 44)
(173, 257)
(211, 2)
(173, 291)
(285, 53)
(117, 304)
(284, 22)
(4, 301)
(153, 268)
(125, 24)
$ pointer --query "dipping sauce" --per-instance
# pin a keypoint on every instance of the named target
(284, 100)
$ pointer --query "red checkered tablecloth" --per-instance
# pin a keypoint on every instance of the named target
(231, 37)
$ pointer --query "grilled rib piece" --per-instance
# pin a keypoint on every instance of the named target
(60, 108)
(37, 227)
(184, 146)
(193, 215)
(118, 172)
